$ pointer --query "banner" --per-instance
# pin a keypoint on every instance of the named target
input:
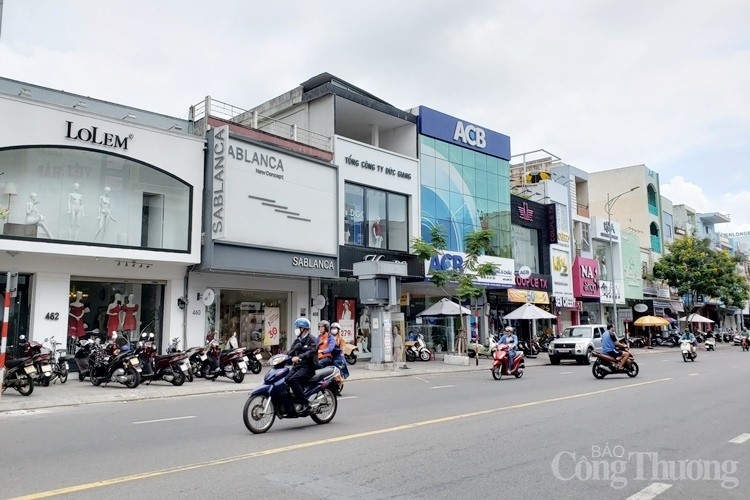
(347, 330)
(533, 296)
(271, 326)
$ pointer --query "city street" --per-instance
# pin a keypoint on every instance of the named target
(678, 430)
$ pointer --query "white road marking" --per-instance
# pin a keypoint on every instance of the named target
(441, 386)
(741, 438)
(423, 380)
(650, 491)
(694, 374)
(565, 373)
(163, 420)
(347, 397)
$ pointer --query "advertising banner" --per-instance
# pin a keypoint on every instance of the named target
(271, 326)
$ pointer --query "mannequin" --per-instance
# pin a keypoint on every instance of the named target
(75, 209)
(113, 315)
(364, 330)
(34, 217)
(105, 213)
(377, 233)
(130, 322)
(76, 327)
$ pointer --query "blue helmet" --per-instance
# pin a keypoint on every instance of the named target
(302, 323)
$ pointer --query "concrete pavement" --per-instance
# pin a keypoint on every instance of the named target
(74, 392)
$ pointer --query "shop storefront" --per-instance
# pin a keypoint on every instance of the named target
(586, 289)
(271, 238)
(96, 211)
(608, 255)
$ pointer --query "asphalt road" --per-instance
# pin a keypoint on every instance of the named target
(555, 433)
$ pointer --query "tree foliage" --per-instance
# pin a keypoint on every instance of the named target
(693, 267)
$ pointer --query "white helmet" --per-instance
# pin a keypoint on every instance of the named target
(335, 328)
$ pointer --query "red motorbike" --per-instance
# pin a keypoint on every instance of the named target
(42, 362)
(172, 367)
(500, 363)
(232, 363)
(744, 344)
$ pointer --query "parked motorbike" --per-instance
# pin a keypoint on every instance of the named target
(232, 363)
(172, 367)
(710, 343)
(417, 349)
(116, 366)
(81, 357)
(59, 360)
(607, 365)
(274, 399)
(688, 351)
(254, 358)
(476, 349)
(19, 375)
(500, 363)
(744, 344)
(350, 353)
(41, 359)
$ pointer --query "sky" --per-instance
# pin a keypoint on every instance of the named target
(599, 83)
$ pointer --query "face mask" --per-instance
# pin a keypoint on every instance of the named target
(296, 332)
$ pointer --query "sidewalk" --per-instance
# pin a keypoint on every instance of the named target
(74, 392)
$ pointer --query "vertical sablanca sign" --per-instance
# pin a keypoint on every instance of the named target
(218, 185)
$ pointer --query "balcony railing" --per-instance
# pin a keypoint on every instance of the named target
(653, 209)
(583, 210)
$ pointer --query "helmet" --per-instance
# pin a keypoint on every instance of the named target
(302, 323)
(325, 324)
(335, 328)
(508, 328)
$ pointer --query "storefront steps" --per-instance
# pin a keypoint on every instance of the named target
(456, 359)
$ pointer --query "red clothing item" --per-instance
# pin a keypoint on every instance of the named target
(75, 321)
(113, 319)
(130, 323)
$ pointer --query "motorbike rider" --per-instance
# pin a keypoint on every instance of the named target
(326, 345)
(744, 336)
(338, 353)
(610, 343)
(690, 337)
(303, 354)
(511, 340)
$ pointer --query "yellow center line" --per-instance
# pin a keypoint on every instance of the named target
(310, 444)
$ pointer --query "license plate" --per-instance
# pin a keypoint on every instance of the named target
(203, 357)
(259, 356)
(245, 359)
(29, 369)
(185, 367)
(135, 361)
(242, 365)
(47, 368)
(563, 351)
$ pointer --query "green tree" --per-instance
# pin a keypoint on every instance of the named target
(694, 268)
(477, 243)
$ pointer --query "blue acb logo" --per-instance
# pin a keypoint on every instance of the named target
(446, 262)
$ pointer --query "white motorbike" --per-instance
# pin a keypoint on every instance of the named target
(710, 344)
(417, 350)
(688, 350)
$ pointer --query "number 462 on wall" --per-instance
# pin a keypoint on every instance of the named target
(52, 316)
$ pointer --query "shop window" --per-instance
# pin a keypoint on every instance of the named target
(259, 318)
(525, 247)
(375, 218)
(92, 197)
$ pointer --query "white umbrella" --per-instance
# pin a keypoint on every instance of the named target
(696, 318)
(529, 311)
(445, 307)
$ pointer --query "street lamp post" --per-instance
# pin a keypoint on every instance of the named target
(608, 209)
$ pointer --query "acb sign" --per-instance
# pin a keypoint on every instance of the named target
(446, 262)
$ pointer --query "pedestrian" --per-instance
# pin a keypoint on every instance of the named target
(398, 349)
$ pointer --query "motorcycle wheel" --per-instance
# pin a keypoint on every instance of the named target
(519, 373)
(44, 381)
(424, 355)
(255, 366)
(327, 410)
(95, 380)
(534, 350)
(206, 372)
(134, 378)
(189, 376)
(497, 372)
(351, 359)
(255, 420)
(598, 371)
(81, 377)
(632, 369)
(684, 357)
(25, 384)
(472, 353)
(238, 376)
(63, 376)
(179, 377)
(410, 356)
(196, 369)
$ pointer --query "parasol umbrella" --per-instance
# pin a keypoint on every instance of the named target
(696, 318)
(529, 311)
(651, 321)
(445, 307)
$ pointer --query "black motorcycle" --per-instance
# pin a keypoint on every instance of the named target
(607, 365)
(81, 357)
(254, 359)
(19, 375)
(123, 367)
